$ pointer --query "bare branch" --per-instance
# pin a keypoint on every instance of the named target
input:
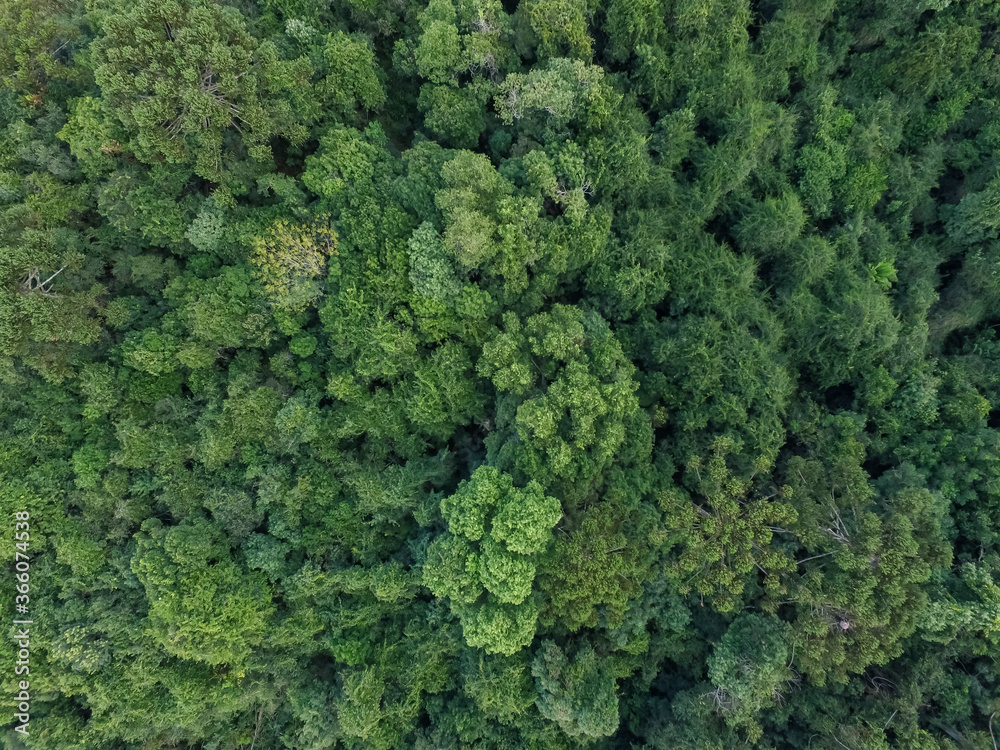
(34, 284)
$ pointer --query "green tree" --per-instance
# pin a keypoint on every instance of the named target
(201, 606)
(728, 536)
(36, 44)
(749, 668)
(560, 27)
(571, 392)
(496, 533)
(182, 76)
(579, 693)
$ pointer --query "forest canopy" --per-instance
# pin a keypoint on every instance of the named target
(494, 374)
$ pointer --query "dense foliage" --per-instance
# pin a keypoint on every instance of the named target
(475, 374)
